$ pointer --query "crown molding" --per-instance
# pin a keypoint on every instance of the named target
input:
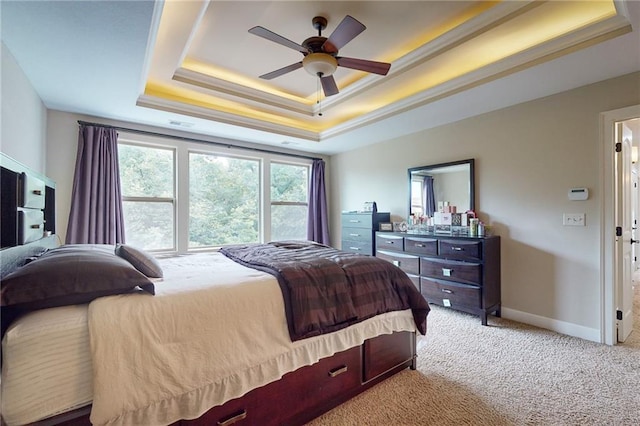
(233, 91)
(162, 104)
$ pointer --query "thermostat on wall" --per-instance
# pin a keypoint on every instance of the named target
(578, 194)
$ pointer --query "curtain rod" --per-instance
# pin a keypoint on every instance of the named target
(186, 139)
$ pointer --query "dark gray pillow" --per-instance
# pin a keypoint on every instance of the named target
(140, 259)
(70, 275)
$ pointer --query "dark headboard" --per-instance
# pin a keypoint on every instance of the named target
(27, 204)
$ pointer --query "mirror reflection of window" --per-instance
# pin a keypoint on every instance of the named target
(452, 183)
(416, 197)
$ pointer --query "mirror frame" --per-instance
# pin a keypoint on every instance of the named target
(472, 180)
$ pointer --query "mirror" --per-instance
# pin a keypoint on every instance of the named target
(451, 184)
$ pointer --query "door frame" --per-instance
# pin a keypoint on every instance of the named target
(608, 285)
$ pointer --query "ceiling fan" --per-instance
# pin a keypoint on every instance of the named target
(321, 53)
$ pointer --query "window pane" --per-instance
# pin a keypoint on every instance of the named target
(145, 171)
(149, 224)
(289, 182)
(224, 200)
(288, 222)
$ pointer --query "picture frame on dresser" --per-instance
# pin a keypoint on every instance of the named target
(386, 227)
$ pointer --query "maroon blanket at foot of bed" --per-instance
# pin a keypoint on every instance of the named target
(325, 289)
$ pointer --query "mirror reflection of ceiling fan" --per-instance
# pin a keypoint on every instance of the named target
(321, 53)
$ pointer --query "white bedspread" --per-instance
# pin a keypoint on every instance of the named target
(213, 331)
(46, 367)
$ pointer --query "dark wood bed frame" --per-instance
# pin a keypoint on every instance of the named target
(296, 398)
(301, 395)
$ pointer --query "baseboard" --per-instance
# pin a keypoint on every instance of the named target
(575, 330)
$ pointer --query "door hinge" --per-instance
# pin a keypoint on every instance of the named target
(618, 231)
(618, 146)
(619, 315)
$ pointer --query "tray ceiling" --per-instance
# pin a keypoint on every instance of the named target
(204, 62)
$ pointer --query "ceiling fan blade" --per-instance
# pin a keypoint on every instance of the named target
(281, 71)
(346, 31)
(329, 86)
(381, 68)
(270, 35)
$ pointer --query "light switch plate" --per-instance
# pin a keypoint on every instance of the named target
(573, 219)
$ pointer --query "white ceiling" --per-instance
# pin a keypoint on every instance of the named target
(119, 60)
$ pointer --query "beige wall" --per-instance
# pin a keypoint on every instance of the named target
(526, 158)
(23, 116)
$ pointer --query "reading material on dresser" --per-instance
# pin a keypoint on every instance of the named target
(460, 272)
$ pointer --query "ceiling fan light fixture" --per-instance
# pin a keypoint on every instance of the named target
(320, 63)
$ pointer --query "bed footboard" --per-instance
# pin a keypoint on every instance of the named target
(308, 392)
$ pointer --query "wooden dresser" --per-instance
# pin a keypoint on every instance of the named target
(458, 272)
(358, 231)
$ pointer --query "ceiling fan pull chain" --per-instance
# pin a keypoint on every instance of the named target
(318, 96)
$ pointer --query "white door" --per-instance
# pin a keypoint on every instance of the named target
(624, 240)
(634, 218)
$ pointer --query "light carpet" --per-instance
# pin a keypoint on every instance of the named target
(506, 373)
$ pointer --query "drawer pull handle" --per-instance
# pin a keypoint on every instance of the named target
(37, 192)
(35, 226)
(419, 245)
(338, 371)
(354, 235)
(457, 249)
(396, 263)
(355, 248)
(234, 418)
(446, 290)
(447, 272)
(354, 221)
(391, 242)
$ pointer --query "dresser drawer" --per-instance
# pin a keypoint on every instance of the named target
(389, 242)
(458, 249)
(357, 234)
(451, 270)
(419, 245)
(406, 262)
(362, 247)
(450, 294)
(357, 220)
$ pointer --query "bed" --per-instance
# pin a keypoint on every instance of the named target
(203, 338)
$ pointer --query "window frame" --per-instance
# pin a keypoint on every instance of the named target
(289, 203)
(172, 200)
(182, 147)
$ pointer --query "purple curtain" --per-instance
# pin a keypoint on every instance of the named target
(96, 202)
(428, 196)
(318, 223)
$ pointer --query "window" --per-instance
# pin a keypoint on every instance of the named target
(147, 176)
(289, 201)
(182, 195)
(224, 200)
